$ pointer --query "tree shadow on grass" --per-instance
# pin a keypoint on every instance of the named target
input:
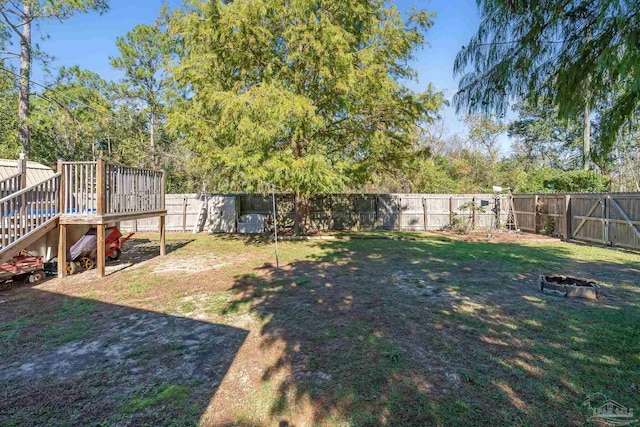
(434, 332)
(74, 361)
(138, 250)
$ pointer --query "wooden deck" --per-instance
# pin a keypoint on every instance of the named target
(98, 193)
(80, 193)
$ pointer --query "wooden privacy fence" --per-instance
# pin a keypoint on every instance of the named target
(182, 214)
(344, 211)
(606, 218)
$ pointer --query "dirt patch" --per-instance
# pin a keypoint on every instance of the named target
(128, 354)
(496, 236)
(189, 265)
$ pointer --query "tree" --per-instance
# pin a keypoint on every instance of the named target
(18, 18)
(72, 117)
(307, 95)
(144, 53)
(10, 146)
(572, 53)
(543, 138)
(484, 132)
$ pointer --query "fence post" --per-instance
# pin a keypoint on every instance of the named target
(400, 213)
(568, 218)
(535, 214)
(355, 216)
(376, 215)
(473, 213)
(606, 212)
(184, 214)
(451, 212)
(426, 213)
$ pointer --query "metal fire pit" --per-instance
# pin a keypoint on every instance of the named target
(571, 287)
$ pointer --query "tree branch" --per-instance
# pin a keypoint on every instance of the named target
(11, 24)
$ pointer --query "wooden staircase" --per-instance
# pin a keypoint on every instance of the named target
(27, 214)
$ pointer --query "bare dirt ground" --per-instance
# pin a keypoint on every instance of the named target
(440, 330)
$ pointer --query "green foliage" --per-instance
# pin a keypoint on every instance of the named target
(144, 54)
(308, 95)
(549, 226)
(571, 53)
(64, 9)
(70, 119)
(542, 137)
(577, 181)
(10, 146)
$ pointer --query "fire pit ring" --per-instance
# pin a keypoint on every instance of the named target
(570, 287)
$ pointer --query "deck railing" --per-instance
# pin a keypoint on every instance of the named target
(99, 188)
(80, 195)
(130, 190)
(10, 185)
(27, 210)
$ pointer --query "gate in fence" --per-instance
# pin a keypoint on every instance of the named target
(611, 219)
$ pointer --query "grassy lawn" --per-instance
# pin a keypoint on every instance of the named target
(420, 330)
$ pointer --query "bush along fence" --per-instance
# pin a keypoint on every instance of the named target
(411, 212)
(611, 219)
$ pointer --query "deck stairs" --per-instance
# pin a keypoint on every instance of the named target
(26, 214)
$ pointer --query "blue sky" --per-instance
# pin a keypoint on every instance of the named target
(89, 41)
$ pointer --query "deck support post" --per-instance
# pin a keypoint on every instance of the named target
(163, 249)
(62, 250)
(100, 256)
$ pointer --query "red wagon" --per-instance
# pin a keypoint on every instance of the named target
(113, 242)
(23, 265)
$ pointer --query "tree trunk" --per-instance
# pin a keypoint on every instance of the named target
(25, 84)
(301, 208)
(152, 134)
(586, 142)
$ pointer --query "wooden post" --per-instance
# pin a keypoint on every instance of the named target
(355, 216)
(22, 168)
(62, 250)
(376, 215)
(184, 214)
(497, 210)
(606, 212)
(100, 256)
(451, 212)
(331, 222)
(400, 213)
(568, 218)
(162, 200)
(473, 213)
(101, 189)
(63, 186)
(163, 249)
(425, 213)
(535, 214)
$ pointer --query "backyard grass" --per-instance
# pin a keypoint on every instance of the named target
(411, 329)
